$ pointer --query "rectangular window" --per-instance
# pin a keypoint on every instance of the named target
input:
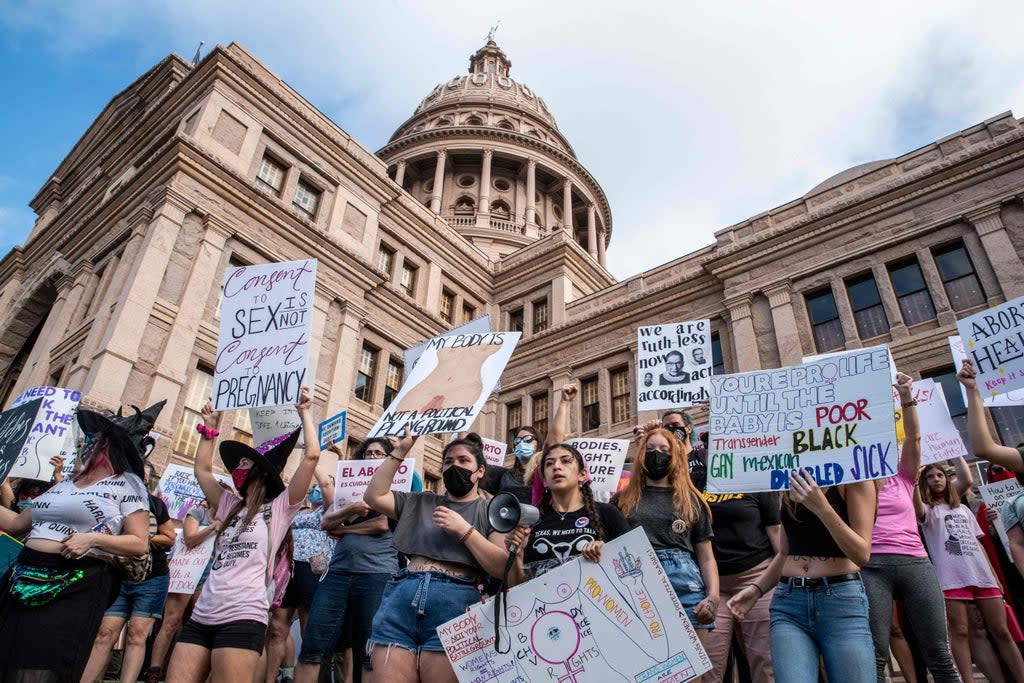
(828, 330)
(540, 315)
(393, 382)
(717, 361)
(364, 378)
(513, 419)
(186, 439)
(468, 312)
(911, 291)
(447, 304)
(867, 306)
(270, 176)
(958, 277)
(590, 416)
(1009, 423)
(307, 200)
(515, 320)
(540, 414)
(408, 281)
(619, 379)
(946, 378)
(385, 257)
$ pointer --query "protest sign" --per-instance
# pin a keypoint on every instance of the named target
(10, 548)
(15, 428)
(180, 491)
(271, 422)
(996, 496)
(449, 385)
(940, 439)
(494, 451)
(833, 354)
(833, 417)
(673, 364)
(266, 322)
(617, 619)
(50, 431)
(332, 429)
(604, 459)
(481, 325)
(353, 476)
(994, 340)
(187, 564)
(1014, 397)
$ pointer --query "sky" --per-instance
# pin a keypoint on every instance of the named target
(693, 116)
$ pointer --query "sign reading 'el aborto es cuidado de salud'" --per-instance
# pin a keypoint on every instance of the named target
(832, 417)
(265, 326)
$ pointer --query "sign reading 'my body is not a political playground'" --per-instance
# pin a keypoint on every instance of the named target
(449, 385)
(266, 322)
(833, 417)
(673, 364)
(994, 341)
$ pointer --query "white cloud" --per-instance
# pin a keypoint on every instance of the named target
(693, 116)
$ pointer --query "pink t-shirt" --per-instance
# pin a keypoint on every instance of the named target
(895, 531)
(237, 587)
(952, 537)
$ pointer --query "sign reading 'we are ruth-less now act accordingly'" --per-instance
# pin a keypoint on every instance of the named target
(673, 364)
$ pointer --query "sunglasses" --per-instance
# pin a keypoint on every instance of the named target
(522, 439)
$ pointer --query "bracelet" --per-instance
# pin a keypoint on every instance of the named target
(396, 457)
(207, 432)
(462, 539)
(759, 590)
(909, 404)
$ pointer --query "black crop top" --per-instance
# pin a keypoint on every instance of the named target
(807, 534)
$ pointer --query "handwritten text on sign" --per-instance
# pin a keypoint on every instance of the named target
(994, 340)
(940, 439)
(354, 476)
(265, 325)
(15, 425)
(187, 564)
(50, 432)
(1014, 397)
(833, 417)
(604, 459)
(180, 490)
(673, 364)
(996, 495)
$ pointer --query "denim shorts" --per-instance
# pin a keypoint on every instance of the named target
(141, 598)
(415, 604)
(684, 575)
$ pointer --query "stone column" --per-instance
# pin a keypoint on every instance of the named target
(400, 172)
(435, 192)
(591, 231)
(780, 297)
(846, 319)
(747, 356)
(353, 316)
(600, 247)
(37, 365)
(484, 199)
(1005, 262)
(531, 191)
(944, 312)
(567, 205)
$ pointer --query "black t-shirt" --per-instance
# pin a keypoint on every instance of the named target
(157, 516)
(698, 468)
(739, 521)
(664, 528)
(501, 479)
(557, 537)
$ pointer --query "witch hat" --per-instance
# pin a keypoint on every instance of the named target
(128, 431)
(269, 456)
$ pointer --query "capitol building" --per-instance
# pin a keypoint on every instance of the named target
(478, 204)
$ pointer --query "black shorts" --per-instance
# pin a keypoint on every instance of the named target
(301, 587)
(245, 634)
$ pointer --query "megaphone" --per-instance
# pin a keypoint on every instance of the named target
(505, 513)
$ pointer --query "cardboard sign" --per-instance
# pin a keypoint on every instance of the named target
(180, 490)
(494, 451)
(940, 439)
(449, 385)
(354, 476)
(332, 429)
(481, 325)
(15, 428)
(1014, 397)
(994, 340)
(53, 426)
(833, 417)
(833, 354)
(673, 364)
(996, 495)
(187, 564)
(271, 422)
(266, 320)
(613, 620)
(604, 458)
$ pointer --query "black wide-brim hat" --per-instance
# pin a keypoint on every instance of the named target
(270, 461)
(127, 431)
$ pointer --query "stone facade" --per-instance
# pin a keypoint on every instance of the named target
(477, 205)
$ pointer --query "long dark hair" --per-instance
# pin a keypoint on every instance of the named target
(102, 449)
(385, 443)
(473, 442)
(254, 499)
(588, 494)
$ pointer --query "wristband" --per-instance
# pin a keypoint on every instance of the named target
(462, 539)
(207, 432)
(910, 403)
(759, 590)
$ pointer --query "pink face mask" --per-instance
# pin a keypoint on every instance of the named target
(238, 476)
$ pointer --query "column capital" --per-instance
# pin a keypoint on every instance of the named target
(739, 306)
(351, 309)
(216, 228)
(986, 220)
(401, 163)
(531, 162)
(488, 152)
(442, 153)
(779, 294)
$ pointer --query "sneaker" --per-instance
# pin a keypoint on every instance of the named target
(154, 675)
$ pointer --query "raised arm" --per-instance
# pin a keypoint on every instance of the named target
(378, 494)
(982, 443)
(559, 431)
(910, 455)
(203, 467)
(964, 477)
(323, 480)
(299, 485)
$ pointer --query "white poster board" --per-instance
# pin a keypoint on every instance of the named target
(186, 565)
(996, 496)
(271, 422)
(604, 459)
(613, 620)
(180, 491)
(673, 364)
(449, 385)
(53, 426)
(994, 340)
(833, 417)
(940, 439)
(266, 320)
(353, 476)
(494, 451)
(1014, 397)
(481, 325)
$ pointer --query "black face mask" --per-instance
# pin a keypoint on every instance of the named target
(458, 480)
(656, 464)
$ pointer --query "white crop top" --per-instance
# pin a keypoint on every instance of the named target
(66, 509)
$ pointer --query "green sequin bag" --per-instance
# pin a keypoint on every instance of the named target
(38, 586)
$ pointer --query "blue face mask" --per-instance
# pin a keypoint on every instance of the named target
(22, 504)
(525, 451)
(315, 496)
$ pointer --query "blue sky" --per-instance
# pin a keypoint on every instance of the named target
(692, 117)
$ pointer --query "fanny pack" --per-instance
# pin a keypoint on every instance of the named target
(38, 586)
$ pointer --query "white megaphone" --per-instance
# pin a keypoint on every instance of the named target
(505, 513)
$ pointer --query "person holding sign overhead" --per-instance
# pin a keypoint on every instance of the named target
(982, 444)
(225, 636)
(451, 547)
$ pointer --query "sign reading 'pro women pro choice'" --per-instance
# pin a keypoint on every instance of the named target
(832, 417)
(265, 325)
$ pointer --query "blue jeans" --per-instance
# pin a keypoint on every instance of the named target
(342, 599)
(686, 579)
(830, 621)
(415, 604)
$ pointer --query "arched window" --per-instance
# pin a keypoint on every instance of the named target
(506, 124)
(501, 209)
(464, 205)
(474, 121)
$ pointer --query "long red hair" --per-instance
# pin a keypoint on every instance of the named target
(686, 499)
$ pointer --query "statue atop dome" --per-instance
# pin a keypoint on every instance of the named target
(494, 29)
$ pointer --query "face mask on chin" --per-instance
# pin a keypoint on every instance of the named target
(458, 481)
(656, 464)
